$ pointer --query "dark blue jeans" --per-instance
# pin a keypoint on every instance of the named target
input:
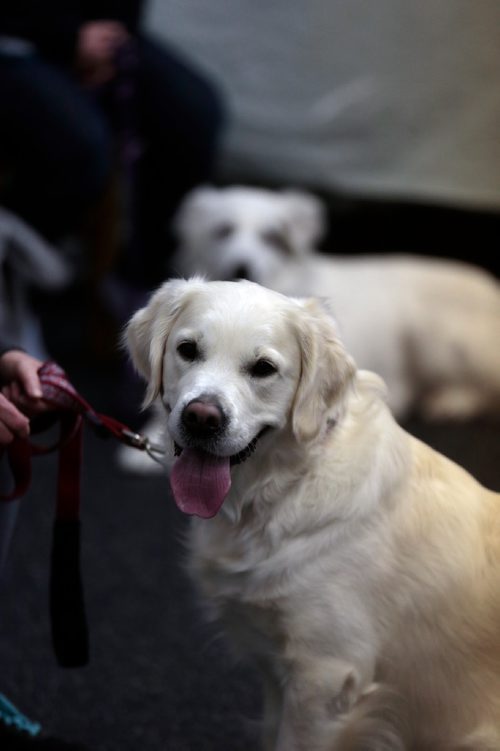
(58, 146)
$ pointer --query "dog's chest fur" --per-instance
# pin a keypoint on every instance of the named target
(271, 596)
(236, 572)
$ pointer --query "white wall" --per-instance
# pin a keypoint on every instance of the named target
(377, 97)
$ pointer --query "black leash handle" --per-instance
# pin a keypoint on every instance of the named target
(70, 636)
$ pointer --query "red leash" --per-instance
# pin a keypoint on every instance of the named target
(72, 410)
(69, 625)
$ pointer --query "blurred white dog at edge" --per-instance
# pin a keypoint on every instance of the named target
(356, 567)
(429, 327)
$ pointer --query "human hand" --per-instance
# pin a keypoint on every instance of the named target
(96, 47)
(12, 422)
(21, 396)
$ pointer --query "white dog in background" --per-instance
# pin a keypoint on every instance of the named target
(430, 328)
(356, 566)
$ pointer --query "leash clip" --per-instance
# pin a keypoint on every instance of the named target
(138, 441)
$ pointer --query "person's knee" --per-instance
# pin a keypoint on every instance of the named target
(216, 114)
(206, 105)
(85, 163)
(180, 100)
(204, 112)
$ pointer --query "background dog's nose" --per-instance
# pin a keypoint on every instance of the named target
(202, 418)
(241, 272)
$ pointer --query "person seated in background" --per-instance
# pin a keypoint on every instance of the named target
(85, 87)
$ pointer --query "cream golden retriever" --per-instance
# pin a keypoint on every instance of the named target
(356, 566)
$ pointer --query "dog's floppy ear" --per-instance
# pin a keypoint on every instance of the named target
(306, 221)
(327, 371)
(147, 331)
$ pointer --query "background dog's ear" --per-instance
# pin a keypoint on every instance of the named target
(147, 331)
(307, 220)
(327, 371)
(194, 211)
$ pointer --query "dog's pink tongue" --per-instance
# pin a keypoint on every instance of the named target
(200, 482)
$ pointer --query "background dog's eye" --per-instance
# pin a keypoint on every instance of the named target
(188, 350)
(262, 369)
(277, 239)
(222, 231)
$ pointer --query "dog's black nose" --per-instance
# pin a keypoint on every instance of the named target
(202, 419)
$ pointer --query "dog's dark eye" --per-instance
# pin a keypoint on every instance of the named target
(188, 350)
(277, 239)
(222, 231)
(262, 369)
